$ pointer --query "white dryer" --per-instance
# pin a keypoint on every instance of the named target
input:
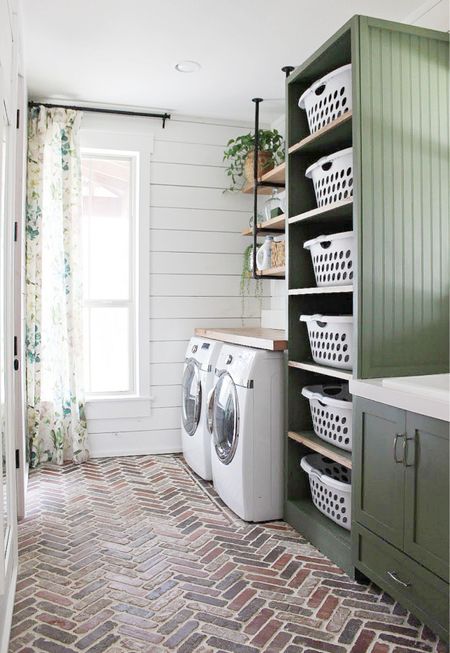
(198, 379)
(246, 420)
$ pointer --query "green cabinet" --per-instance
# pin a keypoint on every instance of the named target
(426, 534)
(399, 299)
(400, 527)
(378, 485)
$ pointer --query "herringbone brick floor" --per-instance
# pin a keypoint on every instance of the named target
(137, 554)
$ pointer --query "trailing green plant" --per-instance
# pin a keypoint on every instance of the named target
(246, 279)
(237, 150)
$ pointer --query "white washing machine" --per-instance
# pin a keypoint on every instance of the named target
(198, 379)
(246, 420)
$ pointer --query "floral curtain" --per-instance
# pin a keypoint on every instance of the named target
(55, 404)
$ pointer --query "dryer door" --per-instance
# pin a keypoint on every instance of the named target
(192, 396)
(225, 418)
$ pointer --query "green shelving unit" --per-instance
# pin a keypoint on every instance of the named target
(398, 128)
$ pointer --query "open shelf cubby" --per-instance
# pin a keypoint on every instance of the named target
(305, 220)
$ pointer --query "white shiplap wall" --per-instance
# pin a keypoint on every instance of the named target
(195, 266)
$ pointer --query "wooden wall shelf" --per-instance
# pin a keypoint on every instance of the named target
(275, 176)
(310, 440)
(275, 225)
(273, 272)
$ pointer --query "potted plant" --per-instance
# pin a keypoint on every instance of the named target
(246, 280)
(240, 151)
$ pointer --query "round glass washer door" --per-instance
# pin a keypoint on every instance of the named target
(192, 397)
(225, 418)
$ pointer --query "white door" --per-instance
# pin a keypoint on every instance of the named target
(192, 396)
(8, 514)
(225, 418)
(19, 299)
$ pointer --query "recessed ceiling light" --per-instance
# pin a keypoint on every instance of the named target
(187, 66)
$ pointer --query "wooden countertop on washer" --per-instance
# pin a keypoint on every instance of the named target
(270, 339)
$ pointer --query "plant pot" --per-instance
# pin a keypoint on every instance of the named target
(265, 163)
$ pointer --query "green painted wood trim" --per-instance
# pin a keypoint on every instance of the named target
(332, 540)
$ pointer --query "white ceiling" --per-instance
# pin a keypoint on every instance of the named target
(124, 51)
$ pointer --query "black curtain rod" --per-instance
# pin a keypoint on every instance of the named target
(162, 116)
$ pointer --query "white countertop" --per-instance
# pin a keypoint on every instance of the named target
(426, 395)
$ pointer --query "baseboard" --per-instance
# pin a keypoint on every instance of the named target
(7, 609)
(134, 443)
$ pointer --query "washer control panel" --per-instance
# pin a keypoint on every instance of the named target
(238, 362)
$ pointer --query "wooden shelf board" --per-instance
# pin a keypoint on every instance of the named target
(273, 272)
(262, 190)
(323, 137)
(322, 369)
(276, 176)
(342, 208)
(312, 441)
(274, 224)
(270, 339)
(319, 290)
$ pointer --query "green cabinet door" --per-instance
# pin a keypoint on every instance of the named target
(377, 479)
(426, 493)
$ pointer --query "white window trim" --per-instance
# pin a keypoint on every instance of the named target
(106, 140)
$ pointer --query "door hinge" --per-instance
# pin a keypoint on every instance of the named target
(16, 229)
(17, 459)
(18, 119)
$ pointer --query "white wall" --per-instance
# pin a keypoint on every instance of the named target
(195, 265)
(433, 14)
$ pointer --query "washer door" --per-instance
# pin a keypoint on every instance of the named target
(225, 418)
(192, 396)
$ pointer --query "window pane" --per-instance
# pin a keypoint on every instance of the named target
(106, 227)
(109, 351)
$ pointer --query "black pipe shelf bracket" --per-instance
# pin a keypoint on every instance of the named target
(120, 112)
(257, 183)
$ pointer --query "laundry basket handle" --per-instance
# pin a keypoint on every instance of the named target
(327, 165)
(320, 89)
(325, 244)
(311, 395)
(322, 325)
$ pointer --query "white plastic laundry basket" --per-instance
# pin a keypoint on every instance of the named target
(332, 177)
(331, 412)
(331, 339)
(332, 258)
(331, 487)
(328, 98)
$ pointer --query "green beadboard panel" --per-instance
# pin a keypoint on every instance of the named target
(403, 230)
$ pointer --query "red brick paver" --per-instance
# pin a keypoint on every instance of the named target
(138, 554)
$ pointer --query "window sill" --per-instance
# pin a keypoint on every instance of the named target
(118, 407)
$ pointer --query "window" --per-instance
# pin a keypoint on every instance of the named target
(110, 308)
